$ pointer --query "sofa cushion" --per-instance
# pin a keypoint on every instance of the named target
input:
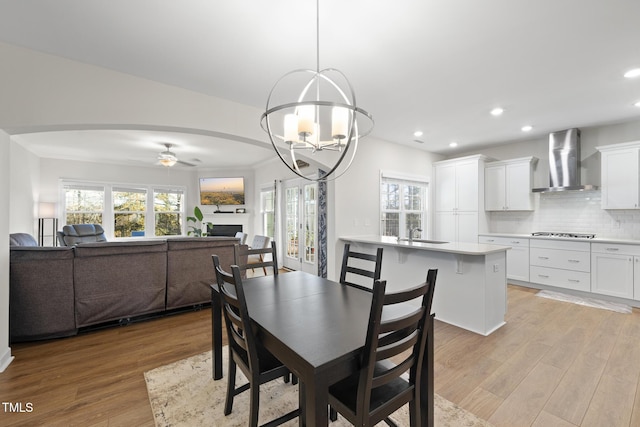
(190, 270)
(22, 239)
(188, 243)
(116, 280)
(120, 248)
(82, 233)
(41, 293)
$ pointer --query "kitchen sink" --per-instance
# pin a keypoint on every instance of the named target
(437, 242)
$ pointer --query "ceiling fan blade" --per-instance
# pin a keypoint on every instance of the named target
(182, 162)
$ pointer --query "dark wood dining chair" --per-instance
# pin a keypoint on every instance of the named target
(245, 350)
(381, 387)
(249, 257)
(353, 272)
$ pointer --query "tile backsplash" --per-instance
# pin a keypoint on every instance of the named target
(569, 211)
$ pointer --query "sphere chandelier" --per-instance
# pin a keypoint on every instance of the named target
(321, 118)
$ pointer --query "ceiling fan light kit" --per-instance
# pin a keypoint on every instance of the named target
(315, 111)
(168, 158)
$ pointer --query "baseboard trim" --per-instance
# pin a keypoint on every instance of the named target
(6, 359)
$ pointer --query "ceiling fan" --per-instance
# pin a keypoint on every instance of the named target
(168, 158)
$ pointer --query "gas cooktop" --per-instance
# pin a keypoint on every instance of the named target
(565, 235)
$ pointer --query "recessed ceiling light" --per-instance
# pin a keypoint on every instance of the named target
(497, 111)
(635, 72)
(453, 144)
(637, 104)
(526, 128)
(417, 133)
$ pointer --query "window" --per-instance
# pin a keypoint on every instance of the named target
(167, 205)
(129, 211)
(83, 204)
(403, 205)
(268, 212)
(125, 210)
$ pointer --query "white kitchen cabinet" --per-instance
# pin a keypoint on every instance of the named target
(508, 183)
(456, 185)
(620, 175)
(517, 256)
(455, 226)
(459, 199)
(615, 270)
(560, 263)
(636, 278)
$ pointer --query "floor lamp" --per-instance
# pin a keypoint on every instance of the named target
(47, 212)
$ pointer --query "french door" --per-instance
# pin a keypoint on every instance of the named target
(301, 225)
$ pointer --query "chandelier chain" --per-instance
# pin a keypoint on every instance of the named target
(318, 36)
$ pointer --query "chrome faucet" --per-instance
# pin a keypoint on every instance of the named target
(411, 230)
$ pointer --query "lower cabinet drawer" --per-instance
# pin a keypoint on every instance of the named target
(557, 258)
(577, 280)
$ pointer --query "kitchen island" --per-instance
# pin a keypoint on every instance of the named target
(471, 285)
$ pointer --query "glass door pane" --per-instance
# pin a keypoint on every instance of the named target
(292, 221)
(310, 223)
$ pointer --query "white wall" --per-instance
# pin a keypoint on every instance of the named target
(41, 90)
(357, 193)
(5, 350)
(591, 137)
(353, 200)
(568, 211)
(54, 170)
(24, 170)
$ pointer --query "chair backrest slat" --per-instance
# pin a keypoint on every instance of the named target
(392, 374)
(354, 271)
(361, 272)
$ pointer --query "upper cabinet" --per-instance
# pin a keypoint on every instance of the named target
(459, 199)
(620, 175)
(508, 183)
(457, 185)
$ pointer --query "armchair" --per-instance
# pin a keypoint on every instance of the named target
(81, 233)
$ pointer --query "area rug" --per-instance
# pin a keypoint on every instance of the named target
(587, 302)
(183, 394)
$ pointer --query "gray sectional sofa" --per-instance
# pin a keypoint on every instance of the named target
(55, 291)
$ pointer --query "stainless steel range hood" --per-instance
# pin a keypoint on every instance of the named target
(564, 162)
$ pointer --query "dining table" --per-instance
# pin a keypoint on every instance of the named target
(317, 328)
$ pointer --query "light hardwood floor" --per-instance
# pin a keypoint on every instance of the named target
(553, 364)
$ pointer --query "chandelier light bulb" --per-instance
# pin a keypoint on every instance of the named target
(339, 123)
(290, 128)
(306, 120)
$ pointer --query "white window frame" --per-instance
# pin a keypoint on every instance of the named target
(264, 212)
(133, 189)
(181, 211)
(64, 185)
(108, 213)
(403, 180)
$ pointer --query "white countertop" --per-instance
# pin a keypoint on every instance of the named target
(573, 239)
(460, 248)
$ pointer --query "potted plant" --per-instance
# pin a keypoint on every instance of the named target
(196, 228)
